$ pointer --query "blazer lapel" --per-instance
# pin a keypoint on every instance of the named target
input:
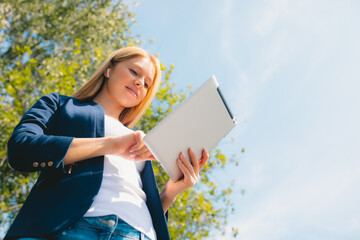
(153, 202)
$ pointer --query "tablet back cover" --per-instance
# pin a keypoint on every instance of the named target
(200, 121)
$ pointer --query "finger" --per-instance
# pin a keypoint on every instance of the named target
(139, 152)
(150, 157)
(144, 156)
(140, 159)
(184, 169)
(204, 159)
(194, 161)
(187, 164)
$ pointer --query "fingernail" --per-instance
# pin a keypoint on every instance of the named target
(132, 155)
(138, 158)
(132, 150)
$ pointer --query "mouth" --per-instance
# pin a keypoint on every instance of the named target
(132, 92)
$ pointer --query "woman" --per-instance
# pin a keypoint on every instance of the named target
(96, 178)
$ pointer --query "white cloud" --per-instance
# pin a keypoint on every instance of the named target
(269, 14)
(298, 205)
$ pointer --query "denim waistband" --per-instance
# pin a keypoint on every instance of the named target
(108, 227)
(114, 225)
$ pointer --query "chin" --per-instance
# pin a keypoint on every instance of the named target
(128, 104)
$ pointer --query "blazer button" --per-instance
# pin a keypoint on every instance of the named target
(50, 163)
(42, 164)
(110, 223)
(35, 164)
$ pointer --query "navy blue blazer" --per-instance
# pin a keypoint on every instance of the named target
(40, 142)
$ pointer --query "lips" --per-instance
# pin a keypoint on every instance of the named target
(133, 91)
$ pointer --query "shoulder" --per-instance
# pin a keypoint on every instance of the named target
(55, 98)
(49, 101)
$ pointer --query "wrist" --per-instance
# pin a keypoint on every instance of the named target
(169, 195)
(110, 142)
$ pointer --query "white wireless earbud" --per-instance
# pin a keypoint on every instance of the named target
(108, 72)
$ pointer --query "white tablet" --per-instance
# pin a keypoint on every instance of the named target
(200, 121)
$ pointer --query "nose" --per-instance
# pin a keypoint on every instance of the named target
(139, 82)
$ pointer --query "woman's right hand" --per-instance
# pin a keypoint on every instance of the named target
(131, 146)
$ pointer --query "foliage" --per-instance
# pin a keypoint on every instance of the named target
(54, 45)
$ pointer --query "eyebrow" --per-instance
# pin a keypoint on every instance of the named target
(142, 70)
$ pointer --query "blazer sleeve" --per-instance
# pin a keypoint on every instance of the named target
(31, 147)
(167, 215)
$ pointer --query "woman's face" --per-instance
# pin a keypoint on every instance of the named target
(130, 80)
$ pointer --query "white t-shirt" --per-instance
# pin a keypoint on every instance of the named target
(121, 188)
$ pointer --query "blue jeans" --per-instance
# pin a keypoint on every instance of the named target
(108, 227)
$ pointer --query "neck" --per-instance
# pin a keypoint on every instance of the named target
(111, 108)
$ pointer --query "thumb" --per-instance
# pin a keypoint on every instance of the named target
(139, 136)
(138, 140)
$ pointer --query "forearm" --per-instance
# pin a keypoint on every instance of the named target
(85, 148)
(166, 199)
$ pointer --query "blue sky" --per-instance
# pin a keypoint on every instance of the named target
(290, 72)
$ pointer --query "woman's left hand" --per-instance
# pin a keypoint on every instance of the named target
(190, 171)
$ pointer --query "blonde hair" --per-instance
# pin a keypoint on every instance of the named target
(129, 116)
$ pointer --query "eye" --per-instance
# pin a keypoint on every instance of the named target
(133, 71)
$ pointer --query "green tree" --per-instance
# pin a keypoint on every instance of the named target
(53, 45)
